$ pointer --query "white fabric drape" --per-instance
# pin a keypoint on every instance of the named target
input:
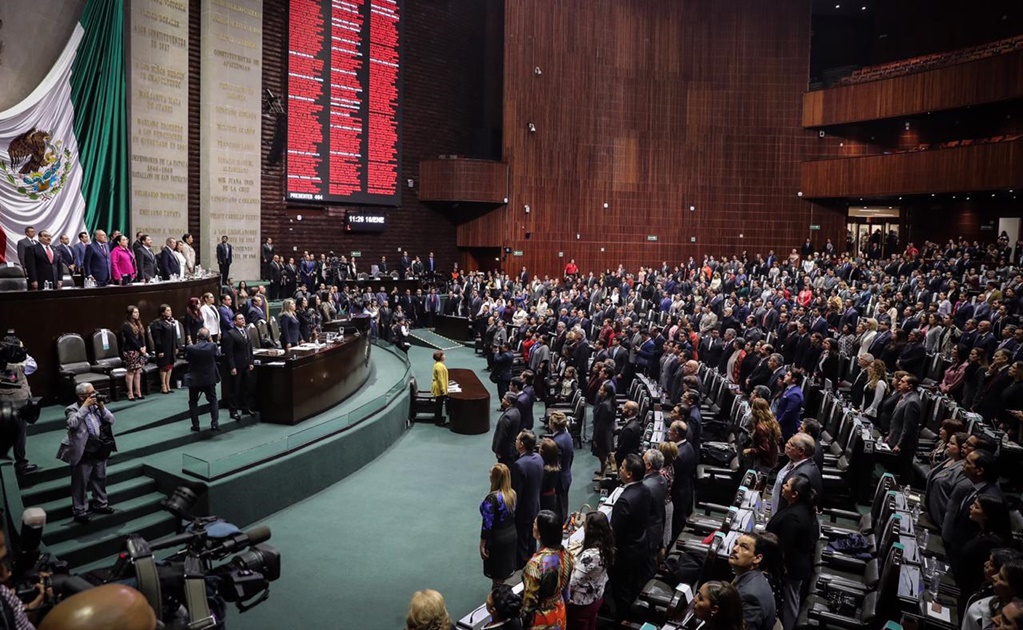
(48, 108)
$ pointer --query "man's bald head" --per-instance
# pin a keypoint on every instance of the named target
(107, 607)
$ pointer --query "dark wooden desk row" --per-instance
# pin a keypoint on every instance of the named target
(40, 317)
(304, 384)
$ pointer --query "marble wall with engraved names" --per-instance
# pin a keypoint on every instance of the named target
(231, 109)
(158, 117)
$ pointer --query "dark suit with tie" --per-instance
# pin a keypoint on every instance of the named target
(67, 257)
(146, 260)
(658, 488)
(526, 479)
(42, 267)
(202, 378)
(630, 440)
(169, 265)
(224, 259)
(24, 245)
(238, 358)
(630, 522)
(97, 262)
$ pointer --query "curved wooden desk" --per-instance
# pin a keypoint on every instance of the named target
(298, 385)
(469, 409)
(39, 317)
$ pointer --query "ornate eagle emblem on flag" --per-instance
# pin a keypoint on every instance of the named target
(38, 166)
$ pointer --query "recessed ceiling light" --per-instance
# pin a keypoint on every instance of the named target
(863, 8)
(838, 6)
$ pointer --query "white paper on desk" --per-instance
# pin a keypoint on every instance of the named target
(454, 390)
(882, 446)
(944, 613)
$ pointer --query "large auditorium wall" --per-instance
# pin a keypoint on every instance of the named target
(229, 123)
(158, 81)
(443, 57)
(32, 36)
(652, 108)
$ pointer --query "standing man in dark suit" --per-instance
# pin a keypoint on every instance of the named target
(630, 522)
(146, 259)
(980, 474)
(63, 249)
(226, 313)
(276, 276)
(238, 362)
(224, 259)
(202, 378)
(566, 454)
(682, 492)
(404, 264)
(88, 470)
(503, 445)
(266, 257)
(905, 427)
(526, 479)
(26, 244)
(630, 438)
(653, 461)
(747, 556)
(79, 251)
(97, 259)
(43, 264)
(169, 265)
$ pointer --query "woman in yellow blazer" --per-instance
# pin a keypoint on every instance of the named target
(439, 386)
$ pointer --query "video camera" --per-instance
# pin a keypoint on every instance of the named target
(12, 352)
(217, 564)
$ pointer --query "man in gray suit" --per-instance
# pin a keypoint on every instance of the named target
(88, 471)
(25, 244)
(758, 605)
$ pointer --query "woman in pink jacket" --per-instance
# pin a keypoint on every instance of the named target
(122, 262)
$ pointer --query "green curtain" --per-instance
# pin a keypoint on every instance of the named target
(101, 124)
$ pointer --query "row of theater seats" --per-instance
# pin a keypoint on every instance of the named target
(937, 60)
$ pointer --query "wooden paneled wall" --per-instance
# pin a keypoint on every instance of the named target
(650, 107)
(987, 80)
(463, 180)
(977, 167)
(443, 56)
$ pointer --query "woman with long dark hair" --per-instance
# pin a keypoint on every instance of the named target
(983, 604)
(497, 535)
(589, 576)
(546, 576)
(973, 378)
(719, 607)
(133, 352)
(953, 379)
(798, 530)
(765, 442)
(165, 342)
(193, 320)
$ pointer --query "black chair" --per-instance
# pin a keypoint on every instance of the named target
(75, 368)
(106, 358)
(12, 278)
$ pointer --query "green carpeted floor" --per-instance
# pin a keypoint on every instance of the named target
(353, 554)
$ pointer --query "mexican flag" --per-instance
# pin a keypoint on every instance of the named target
(63, 149)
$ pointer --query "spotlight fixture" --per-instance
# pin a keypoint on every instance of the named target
(531, 127)
(526, 208)
(411, 183)
(799, 194)
(605, 205)
(907, 125)
(692, 208)
(537, 71)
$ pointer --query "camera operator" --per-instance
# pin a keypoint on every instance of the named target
(12, 610)
(88, 445)
(14, 389)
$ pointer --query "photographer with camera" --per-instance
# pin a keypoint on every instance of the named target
(13, 612)
(88, 445)
(17, 408)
